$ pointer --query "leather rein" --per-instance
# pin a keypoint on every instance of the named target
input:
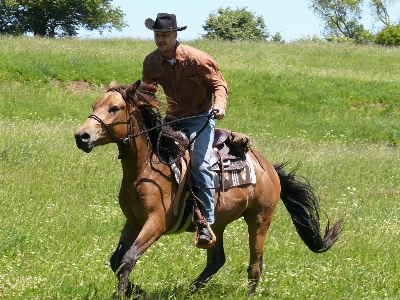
(131, 135)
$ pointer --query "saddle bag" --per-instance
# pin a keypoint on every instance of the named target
(240, 142)
(230, 148)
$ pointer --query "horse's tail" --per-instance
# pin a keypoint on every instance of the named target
(303, 206)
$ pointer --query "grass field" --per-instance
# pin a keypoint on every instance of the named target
(333, 108)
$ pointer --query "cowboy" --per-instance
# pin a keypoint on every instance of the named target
(194, 86)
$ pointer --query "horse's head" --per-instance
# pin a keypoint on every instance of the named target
(110, 119)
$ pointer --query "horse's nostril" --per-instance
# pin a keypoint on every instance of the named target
(85, 137)
(82, 137)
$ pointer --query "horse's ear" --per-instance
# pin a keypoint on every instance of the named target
(136, 85)
(113, 84)
(131, 89)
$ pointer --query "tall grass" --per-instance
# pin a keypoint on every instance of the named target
(333, 108)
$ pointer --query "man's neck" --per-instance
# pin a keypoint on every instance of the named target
(171, 54)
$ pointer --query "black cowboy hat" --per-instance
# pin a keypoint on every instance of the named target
(164, 22)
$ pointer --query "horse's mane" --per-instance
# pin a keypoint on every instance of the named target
(145, 100)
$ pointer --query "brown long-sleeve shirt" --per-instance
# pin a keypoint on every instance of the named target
(189, 83)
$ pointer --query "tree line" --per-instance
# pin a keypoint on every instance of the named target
(63, 18)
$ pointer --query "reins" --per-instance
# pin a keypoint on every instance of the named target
(208, 116)
(130, 136)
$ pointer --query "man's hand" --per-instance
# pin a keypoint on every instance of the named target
(219, 112)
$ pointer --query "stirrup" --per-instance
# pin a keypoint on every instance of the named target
(209, 244)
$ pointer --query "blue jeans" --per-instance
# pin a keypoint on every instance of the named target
(200, 156)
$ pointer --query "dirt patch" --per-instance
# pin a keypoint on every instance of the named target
(378, 105)
(56, 82)
(80, 86)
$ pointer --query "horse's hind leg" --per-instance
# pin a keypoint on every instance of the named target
(215, 260)
(258, 224)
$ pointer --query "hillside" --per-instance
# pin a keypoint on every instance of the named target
(334, 109)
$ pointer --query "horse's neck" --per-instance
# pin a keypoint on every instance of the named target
(137, 153)
(135, 156)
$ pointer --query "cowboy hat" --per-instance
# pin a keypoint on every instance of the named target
(164, 22)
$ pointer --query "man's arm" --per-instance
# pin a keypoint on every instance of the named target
(147, 79)
(215, 81)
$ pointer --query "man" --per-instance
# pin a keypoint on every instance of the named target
(190, 79)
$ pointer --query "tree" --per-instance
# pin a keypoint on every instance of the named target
(235, 25)
(341, 17)
(277, 38)
(379, 8)
(53, 18)
(389, 36)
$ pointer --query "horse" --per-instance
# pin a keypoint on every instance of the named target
(125, 115)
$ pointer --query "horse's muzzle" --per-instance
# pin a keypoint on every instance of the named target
(82, 140)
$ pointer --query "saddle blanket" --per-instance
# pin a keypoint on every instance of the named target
(232, 178)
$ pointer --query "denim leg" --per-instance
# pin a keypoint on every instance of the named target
(200, 155)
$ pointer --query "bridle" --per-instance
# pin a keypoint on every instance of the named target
(126, 120)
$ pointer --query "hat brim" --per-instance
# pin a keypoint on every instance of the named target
(149, 23)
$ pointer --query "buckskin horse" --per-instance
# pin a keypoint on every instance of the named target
(148, 191)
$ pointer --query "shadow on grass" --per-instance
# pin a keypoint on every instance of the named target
(181, 292)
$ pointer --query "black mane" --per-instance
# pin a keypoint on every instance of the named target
(166, 141)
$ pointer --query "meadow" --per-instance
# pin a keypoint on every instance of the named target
(332, 109)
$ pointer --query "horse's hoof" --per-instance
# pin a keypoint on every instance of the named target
(131, 291)
(135, 292)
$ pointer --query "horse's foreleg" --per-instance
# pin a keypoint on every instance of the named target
(215, 260)
(131, 247)
(128, 237)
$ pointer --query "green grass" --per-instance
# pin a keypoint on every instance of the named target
(333, 108)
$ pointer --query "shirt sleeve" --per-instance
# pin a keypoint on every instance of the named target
(214, 80)
(146, 76)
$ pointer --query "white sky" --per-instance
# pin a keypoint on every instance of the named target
(292, 18)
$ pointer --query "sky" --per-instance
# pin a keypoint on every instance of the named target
(292, 18)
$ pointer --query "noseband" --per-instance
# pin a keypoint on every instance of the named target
(116, 122)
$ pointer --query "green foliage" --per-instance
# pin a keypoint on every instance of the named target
(389, 36)
(359, 36)
(235, 25)
(58, 17)
(277, 38)
(362, 35)
(341, 19)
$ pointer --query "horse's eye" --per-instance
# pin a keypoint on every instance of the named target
(113, 109)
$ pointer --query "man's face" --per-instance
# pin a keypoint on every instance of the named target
(165, 42)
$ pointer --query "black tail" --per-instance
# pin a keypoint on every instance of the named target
(303, 206)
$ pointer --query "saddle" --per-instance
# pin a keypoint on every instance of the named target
(230, 150)
(229, 162)
(228, 157)
(225, 157)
